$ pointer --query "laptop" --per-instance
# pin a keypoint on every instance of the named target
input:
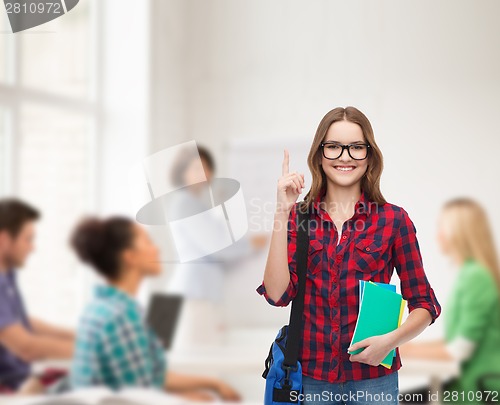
(163, 315)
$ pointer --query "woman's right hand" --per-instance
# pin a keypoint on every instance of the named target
(290, 186)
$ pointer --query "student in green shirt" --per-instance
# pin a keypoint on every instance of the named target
(472, 314)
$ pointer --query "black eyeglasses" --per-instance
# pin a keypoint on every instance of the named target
(333, 150)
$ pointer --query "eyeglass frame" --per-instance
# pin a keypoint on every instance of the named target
(348, 147)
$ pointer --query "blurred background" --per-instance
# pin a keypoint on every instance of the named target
(84, 97)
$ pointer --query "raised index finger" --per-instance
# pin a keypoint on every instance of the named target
(285, 164)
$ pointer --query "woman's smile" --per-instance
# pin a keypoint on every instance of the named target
(345, 168)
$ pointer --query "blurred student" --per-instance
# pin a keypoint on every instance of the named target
(472, 316)
(23, 339)
(114, 346)
(201, 281)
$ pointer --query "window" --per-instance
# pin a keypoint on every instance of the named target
(4, 152)
(48, 146)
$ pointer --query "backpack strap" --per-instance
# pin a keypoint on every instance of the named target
(268, 362)
(295, 324)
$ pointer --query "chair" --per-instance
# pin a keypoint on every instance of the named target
(482, 383)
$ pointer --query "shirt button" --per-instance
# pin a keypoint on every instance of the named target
(367, 249)
(344, 237)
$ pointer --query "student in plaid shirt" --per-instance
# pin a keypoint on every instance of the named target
(355, 235)
(114, 346)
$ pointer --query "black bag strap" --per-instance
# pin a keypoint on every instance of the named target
(295, 324)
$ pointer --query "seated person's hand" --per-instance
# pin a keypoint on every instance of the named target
(201, 396)
(32, 386)
(259, 241)
(226, 392)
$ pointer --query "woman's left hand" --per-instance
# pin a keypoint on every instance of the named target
(375, 350)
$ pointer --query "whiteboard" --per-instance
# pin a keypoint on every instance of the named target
(256, 164)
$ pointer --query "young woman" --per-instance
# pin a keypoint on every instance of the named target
(472, 318)
(114, 347)
(355, 235)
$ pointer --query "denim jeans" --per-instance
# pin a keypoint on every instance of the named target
(380, 390)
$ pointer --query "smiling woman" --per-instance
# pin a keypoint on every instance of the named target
(359, 236)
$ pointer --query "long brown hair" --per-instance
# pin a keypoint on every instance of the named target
(370, 182)
(467, 229)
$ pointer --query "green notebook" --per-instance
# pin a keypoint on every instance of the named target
(390, 287)
(380, 312)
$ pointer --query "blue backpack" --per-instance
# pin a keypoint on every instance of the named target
(283, 371)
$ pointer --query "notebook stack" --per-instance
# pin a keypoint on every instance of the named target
(380, 311)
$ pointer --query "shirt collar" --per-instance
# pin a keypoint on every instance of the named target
(111, 292)
(469, 260)
(361, 208)
(8, 274)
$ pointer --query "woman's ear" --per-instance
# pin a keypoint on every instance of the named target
(127, 257)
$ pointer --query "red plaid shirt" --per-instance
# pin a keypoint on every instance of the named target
(377, 239)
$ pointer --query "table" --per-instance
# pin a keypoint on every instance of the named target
(437, 370)
(233, 359)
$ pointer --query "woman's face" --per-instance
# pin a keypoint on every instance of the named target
(144, 254)
(344, 171)
(197, 170)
